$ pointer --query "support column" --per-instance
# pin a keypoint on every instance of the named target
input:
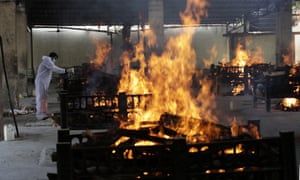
(156, 21)
(8, 34)
(284, 54)
(21, 45)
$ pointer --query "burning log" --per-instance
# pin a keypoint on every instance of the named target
(173, 122)
(121, 136)
(167, 131)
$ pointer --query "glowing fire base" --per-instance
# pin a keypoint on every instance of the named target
(249, 159)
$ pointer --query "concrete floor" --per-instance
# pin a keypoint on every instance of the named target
(28, 156)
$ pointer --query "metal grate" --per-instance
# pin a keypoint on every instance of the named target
(264, 159)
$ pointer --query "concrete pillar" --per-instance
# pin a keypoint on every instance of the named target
(8, 33)
(156, 22)
(284, 34)
(21, 44)
(127, 46)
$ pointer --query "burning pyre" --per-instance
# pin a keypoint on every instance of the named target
(168, 77)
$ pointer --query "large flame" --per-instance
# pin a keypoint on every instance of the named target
(245, 57)
(168, 77)
(134, 81)
(241, 56)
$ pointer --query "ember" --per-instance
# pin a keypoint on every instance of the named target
(290, 104)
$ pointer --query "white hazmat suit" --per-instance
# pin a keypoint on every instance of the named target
(42, 82)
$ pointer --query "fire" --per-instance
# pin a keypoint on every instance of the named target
(213, 171)
(245, 57)
(241, 58)
(195, 149)
(235, 150)
(103, 49)
(194, 11)
(145, 143)
(152, 39)
(169, 77)
(240, 169)
(238, 89)
(121, 140)
(128, 154)
(290, 103)
(134, 81)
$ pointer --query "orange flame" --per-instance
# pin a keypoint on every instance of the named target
(195, 9)
(168, 78)
(134, 81)
(152, 38)
(241, 58)
(290, 102)
(103, 49)
(238, 89)
(234, 150)
(246, 58)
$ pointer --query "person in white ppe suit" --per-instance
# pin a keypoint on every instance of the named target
(42, 82)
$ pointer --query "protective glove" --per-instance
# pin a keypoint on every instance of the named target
(70, 70)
